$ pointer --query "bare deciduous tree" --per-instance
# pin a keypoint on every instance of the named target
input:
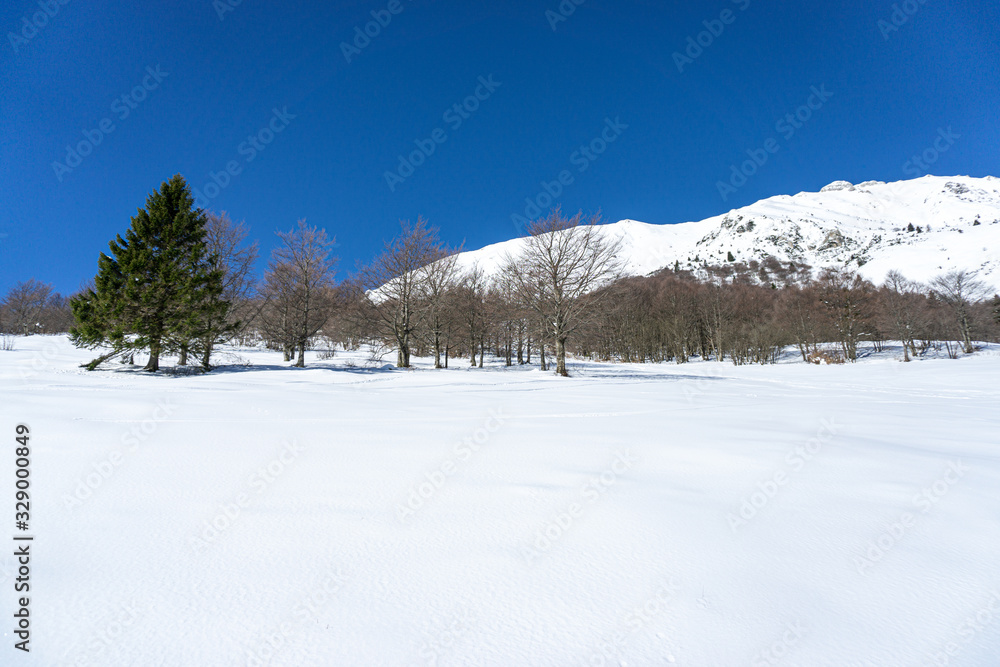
(275, 309)
(57, 315)
(393, 280)
(902, 305)
(470, 303)
(849, 299)
(801, 313)
(561, 261)
(299, 283)
(24, 304)
(225, 242)
(435, 281)
(961, 289)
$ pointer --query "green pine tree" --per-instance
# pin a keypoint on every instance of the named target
(98, 315)
(157, 287)
(209, 323)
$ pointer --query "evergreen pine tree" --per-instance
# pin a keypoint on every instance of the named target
(98, 315)
(156, 288)
(208, 323)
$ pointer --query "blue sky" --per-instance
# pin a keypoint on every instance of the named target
(595, 98)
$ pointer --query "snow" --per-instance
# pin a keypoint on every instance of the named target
(838, 185)
(871, 218)
(637, 473)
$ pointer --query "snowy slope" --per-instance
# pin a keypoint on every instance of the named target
(701, 514)
(859, 226)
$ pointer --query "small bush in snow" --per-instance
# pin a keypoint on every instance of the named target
(825, 357)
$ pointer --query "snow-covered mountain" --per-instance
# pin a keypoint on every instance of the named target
(955, 222)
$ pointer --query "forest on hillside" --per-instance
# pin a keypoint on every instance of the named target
(182, 281)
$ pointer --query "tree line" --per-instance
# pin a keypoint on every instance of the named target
(33, 307)
(181, 281)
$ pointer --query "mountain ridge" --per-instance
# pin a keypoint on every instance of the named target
(865, 227)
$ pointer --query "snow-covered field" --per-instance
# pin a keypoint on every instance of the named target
(696, 514)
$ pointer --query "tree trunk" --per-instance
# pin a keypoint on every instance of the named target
(482, 351)
(91, 365)
(561, 357)
(301, 363)
(541, 355)
(966, 335)
(403, 354)
(437, 350)
(153, 365)
(206, 357)
(286, 351)
(183, 360)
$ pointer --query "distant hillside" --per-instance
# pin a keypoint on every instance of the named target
(955, 225)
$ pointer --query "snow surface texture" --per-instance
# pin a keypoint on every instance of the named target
(697, 514)
(860, 226)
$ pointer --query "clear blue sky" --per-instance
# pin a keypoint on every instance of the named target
(220, 80)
